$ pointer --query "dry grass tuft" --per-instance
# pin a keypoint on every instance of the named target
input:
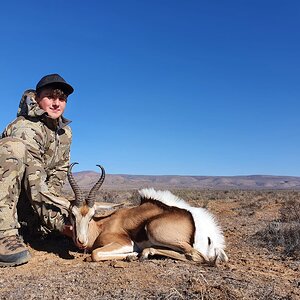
(284, 234)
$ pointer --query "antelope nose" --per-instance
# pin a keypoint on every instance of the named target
(80, 243)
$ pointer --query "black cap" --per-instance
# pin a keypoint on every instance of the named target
(56, 81)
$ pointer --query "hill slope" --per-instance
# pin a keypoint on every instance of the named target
(87, 178)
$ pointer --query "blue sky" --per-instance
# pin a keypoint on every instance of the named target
(164, 87)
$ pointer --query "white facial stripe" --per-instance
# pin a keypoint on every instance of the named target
(81, 224)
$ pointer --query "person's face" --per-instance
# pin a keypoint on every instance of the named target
(51, 104)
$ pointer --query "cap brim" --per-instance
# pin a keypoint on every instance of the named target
(65, 87)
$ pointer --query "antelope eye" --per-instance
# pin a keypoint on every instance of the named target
(209, 241)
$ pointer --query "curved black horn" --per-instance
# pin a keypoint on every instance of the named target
(79, 198)
(90, 201)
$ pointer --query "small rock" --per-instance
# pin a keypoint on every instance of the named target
(119, 264)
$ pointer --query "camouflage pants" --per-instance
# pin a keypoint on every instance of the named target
(20, 191)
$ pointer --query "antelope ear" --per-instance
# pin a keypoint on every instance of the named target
(100, 214)
(107, 205)
(104, 209)
(57, 200)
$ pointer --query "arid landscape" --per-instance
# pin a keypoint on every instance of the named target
(262, 230)
(122, 181)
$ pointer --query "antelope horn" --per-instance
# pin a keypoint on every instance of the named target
(79, 198)
(90, 201)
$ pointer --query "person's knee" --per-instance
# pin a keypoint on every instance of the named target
(51, 216)
(13, 148)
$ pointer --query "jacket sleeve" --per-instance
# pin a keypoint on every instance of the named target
(58, 174)
(51, 209)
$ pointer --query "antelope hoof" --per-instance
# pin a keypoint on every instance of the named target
(145, 254)
(131, 257)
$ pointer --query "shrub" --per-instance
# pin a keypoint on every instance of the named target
(285, 232)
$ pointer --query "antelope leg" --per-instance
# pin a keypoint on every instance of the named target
(163, 252)
(113, 251)
(193, 256)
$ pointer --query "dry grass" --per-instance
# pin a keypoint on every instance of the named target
(283, 234)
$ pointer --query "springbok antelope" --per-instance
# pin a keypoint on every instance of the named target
(162, 224)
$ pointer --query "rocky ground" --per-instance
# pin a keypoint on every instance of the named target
(260, 265)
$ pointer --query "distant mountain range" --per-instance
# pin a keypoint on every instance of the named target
(86, 180)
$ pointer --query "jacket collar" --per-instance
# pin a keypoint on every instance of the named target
(28, 107)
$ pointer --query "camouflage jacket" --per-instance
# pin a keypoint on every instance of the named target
(47, 140)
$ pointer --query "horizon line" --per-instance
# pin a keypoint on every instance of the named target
(248, 175)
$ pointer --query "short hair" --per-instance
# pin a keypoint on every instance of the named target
(57, 93)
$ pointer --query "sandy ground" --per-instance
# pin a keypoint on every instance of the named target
(254, 271)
